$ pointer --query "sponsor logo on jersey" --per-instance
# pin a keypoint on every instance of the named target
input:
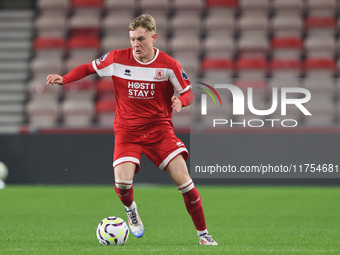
(184, 75)
(127, 72)
(141, 90)
(102, 58)
(159, 74)
(179, 144)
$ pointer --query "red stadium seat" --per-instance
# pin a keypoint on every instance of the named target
(289, 68)
(217, 67)
(320, 22)
(250, 63)
(320, 26)
(83, 42)
(49, 43)
(251, 68)
(216, 63)
(320, 67)
(105, 89)
(222, 3)
(320, 64)
(285, 64)
(103, 106)
(287, 42)
(87, 3)
(287, 47)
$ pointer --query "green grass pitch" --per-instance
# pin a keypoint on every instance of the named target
(244, 220)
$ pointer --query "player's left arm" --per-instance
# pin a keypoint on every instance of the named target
(182, 85)
(186, 99)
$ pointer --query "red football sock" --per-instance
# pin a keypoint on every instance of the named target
(193, 204)
(124, 190)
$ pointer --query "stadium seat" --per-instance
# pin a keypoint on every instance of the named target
(320, 26)
(190, 62)
(16, 33)
(186, 23)
(49, 48)
(278, 82)
(194, 7)
(216, 68)
(218, 45)
(117, 6)
(287, 47)
(82, 50)
(53, 5)
(181, 43)
(42, 113)
(105, 89)
(285, 68)
(219, 20)
(232, 4)
(96, 4)
(38, 89)
(83, 42)
(44, 65)
(115, 22)
(106, 110)
(84, 24)
(250, 68)
(320, 85)
(326, 8)
(11, 115)
(82, 89)
(320, 47)
(287, 25)
(253, 24)
(51, 25)
(252, 47)
(259, 7)
(159, 7)
(320, 67)
(78, 112)
(288, 7)
(111, 41)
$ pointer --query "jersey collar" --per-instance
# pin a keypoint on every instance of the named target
(147, 63)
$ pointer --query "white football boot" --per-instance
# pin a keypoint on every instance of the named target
(206, 239)
(135, 223)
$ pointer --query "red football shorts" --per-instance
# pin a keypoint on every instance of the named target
(160, 147)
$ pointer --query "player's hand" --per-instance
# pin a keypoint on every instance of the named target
(176, 104)
(54, 79)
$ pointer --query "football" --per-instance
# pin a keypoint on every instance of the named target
(112, 231)
(3, 171)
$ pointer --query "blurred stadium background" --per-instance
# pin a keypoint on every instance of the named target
(258, 43)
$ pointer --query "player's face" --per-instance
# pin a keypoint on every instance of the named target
(142, 43)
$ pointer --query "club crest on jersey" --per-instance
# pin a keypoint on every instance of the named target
(159, 74)
(184, 75)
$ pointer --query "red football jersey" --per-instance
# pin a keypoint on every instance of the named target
(143, 91)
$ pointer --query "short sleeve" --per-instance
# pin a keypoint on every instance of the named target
(104, 65)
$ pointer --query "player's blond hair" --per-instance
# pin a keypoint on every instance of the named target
(145, 21)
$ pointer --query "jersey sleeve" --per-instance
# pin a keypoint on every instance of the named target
(179, 79)
(104, 65)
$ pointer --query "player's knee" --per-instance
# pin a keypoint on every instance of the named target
(123, 184)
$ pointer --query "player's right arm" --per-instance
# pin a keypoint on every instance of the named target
(74, 75)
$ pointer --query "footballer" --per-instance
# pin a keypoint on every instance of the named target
(144, 80)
